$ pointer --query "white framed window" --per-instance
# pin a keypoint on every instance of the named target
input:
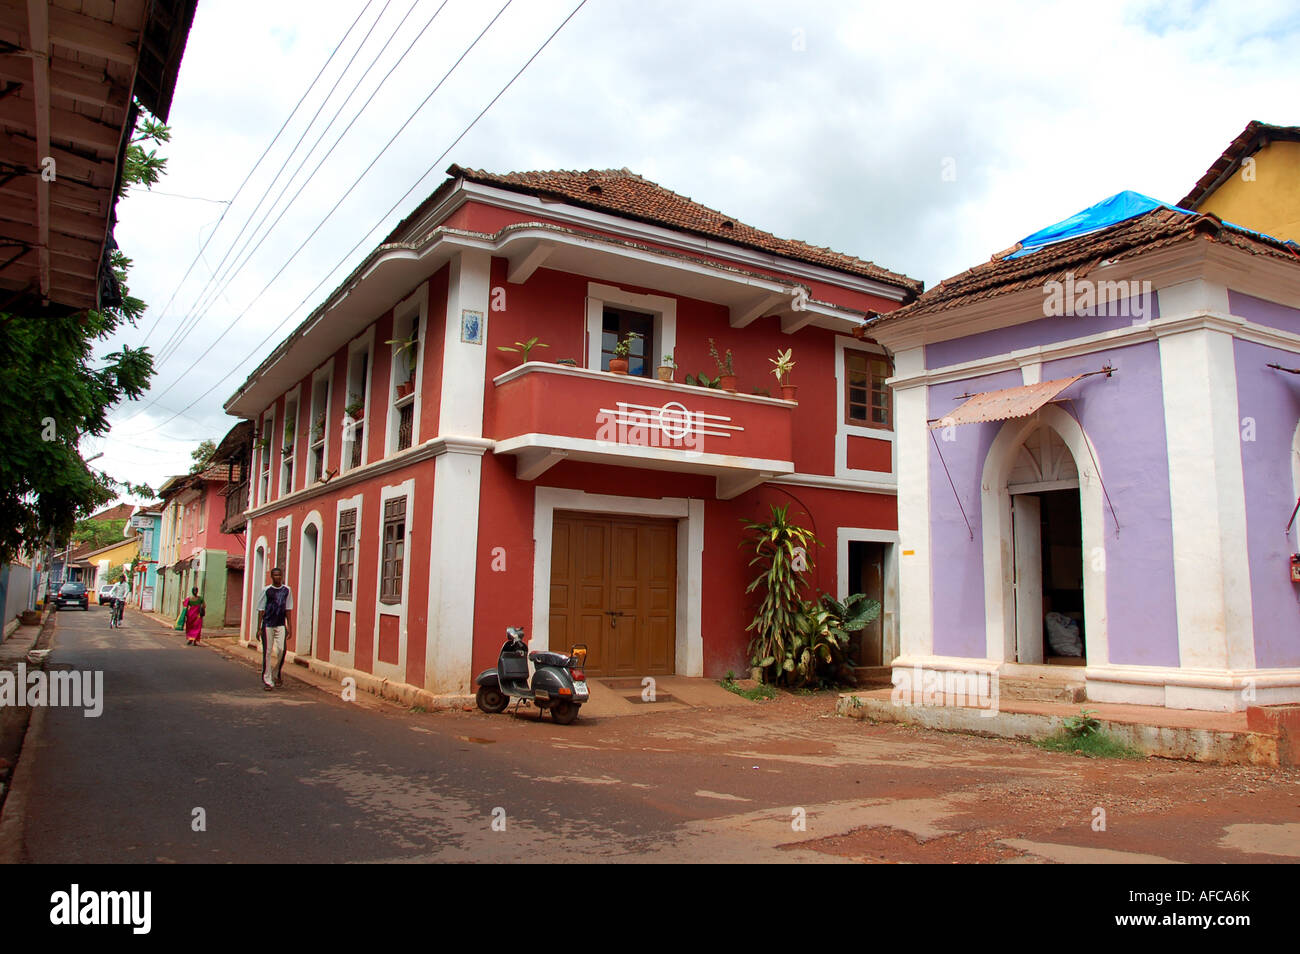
(288, 444)
(356, 402)
(609, 306)
(265, 435)
(409, 329)
(318, 420)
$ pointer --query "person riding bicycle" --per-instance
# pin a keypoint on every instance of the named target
(118, 593)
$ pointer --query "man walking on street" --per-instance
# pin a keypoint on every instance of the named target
(273, 627)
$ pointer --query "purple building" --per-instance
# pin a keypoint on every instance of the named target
(1098, 437)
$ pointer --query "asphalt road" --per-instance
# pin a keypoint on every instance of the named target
(301, 775)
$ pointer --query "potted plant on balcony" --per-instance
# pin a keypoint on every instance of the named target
(567, 362)
(318, 428)
(288, 438)
(701, 381)
(406, 349)
(523, 348)
(783, 363)
(355, 408)
(619, 363)
(665, 370)
(726, 372)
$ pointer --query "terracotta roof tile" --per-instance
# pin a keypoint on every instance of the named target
(624, 193)
(1251, 140)
(1156, 229)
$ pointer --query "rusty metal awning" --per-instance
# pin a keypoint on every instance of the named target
(1005, 404)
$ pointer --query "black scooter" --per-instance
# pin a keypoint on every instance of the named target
(559, 681)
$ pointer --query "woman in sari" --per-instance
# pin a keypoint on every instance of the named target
(194, 610)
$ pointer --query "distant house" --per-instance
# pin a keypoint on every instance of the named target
(194, 551)
(1098, 436)
(146, 524)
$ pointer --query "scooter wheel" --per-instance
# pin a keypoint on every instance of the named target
(564, 712)
(491, 699)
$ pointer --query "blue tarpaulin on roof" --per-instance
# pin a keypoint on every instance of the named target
(1118, 208)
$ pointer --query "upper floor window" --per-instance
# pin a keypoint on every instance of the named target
(394, 552)
(354, 434)
(406, 352)
(617, 323)
(264, 452)
(320, 403)
(282, 549)
(288, 451)
(868, 401)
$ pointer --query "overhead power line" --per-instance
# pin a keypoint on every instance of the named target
(273, 141)
(434, 165)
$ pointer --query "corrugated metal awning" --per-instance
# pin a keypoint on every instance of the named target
(1005, 404)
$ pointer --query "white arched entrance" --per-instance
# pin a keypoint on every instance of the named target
(1045, 452)
(256, 583)
(308, 578)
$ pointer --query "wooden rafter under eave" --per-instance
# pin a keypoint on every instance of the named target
(38, 23)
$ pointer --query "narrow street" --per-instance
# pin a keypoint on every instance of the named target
(300, 775)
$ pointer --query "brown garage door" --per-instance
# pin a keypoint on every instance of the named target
(614, 587)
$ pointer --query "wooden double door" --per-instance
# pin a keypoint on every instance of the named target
(614, 587)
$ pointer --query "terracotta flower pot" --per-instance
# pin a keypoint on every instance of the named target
(728, 382)
(618, 365)
(665, 372)
(788, 392)
(405, 388)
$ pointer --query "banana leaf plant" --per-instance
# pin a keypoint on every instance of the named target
(782, 551)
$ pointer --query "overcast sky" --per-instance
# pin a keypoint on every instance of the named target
(827, 122)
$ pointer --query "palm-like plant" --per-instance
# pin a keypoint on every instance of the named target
(781, 549)
(523, 348)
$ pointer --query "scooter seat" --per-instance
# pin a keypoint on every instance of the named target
(549, 659)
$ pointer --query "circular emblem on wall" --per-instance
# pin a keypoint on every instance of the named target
(674, 420)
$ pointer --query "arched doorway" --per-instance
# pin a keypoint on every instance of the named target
(256, 583)
(305, 616)
(1044, 545)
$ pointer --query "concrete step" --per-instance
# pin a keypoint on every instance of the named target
(1036, 691)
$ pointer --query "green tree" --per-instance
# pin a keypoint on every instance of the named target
(202, 455)
(54, 391)
(98, 533)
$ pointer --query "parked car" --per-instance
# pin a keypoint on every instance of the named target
(72, 594)
(102, 594)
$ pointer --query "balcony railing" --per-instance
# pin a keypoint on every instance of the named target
(236, 501)
(544, 413)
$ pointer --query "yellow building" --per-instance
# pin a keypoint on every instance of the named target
(1255, 183)
(98, 564)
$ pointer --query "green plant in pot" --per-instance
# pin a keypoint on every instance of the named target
(523, 348)
(783, 364)
(355, 408)
(622, 349)
(318, 428)
(288, 438)
(665, 370)
(702, 381)
(726, 370)
(406, 349)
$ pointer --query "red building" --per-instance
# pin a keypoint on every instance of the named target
(424, 489)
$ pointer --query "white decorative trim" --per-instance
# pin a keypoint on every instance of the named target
(663, 309)
(464, 365)
(889, 486)
(313, 519)
(1116, 338)
(690, 561)
(999, 541)
(324, 373)
(544, 367)
(285, 521)
(395, 671)
(915, 579)
(348, 658)
(889, 597)
(453, 562)
(265, 457)
(1207, 500)
(1295, 487)
(255, 582)
(844, 430)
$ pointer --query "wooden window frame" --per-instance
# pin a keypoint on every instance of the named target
(392, 565)
(625, 318)
(345, 582)
(874, 385)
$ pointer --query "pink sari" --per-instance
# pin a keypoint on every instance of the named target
(193, 619)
